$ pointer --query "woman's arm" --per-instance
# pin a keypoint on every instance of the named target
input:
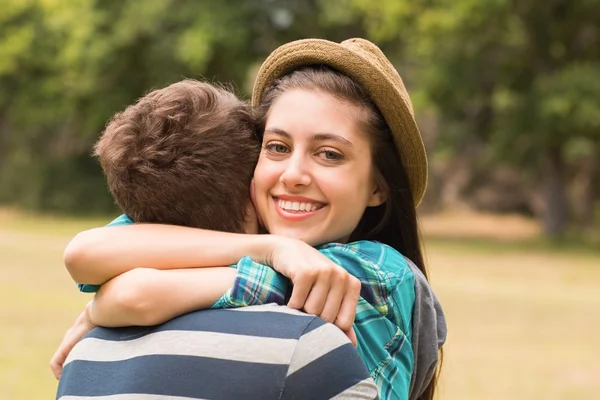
(146, 297)
(320, 286)
(97, 255)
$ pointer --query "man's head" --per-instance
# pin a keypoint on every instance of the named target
(182, 155)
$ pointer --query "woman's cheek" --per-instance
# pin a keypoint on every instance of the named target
(254, 204)
(260, 197)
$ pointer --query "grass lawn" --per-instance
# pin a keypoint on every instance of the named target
(523, 316)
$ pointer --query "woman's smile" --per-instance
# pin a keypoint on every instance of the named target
(296, 208)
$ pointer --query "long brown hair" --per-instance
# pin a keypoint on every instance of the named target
(395, 221)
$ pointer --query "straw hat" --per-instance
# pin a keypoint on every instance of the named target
(366, 64)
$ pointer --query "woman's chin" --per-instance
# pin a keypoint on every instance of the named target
(312, 238)
(293, 234)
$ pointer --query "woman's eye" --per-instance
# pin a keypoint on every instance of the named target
(331, 155)
(277, 148)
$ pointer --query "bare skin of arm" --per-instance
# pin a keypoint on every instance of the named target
(146, 297)
(320, 287)
(98, 255)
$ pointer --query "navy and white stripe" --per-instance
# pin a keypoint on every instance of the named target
(262, 352)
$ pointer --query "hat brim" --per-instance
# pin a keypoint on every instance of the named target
(384, 87)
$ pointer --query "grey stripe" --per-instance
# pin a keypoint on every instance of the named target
(270, 307)
(366, 389)
(129, 396)
(316, 344)
(186, 343)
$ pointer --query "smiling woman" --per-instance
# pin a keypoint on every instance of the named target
(331, 172)
(314, 178)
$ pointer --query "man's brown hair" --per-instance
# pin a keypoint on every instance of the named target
(182, 155)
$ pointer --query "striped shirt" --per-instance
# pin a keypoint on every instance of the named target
(383, 322)
(263, 352)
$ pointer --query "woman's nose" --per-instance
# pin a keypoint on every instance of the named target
(295, 173)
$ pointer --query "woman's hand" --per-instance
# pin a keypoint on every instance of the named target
(79, 329)
(320, 286)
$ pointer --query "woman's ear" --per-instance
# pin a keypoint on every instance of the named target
(378, 197)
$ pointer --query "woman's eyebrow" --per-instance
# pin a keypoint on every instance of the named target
(330, 136)
(278, 132)
(321, 136)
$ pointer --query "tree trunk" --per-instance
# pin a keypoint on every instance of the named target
(589, 176)
(557, 208)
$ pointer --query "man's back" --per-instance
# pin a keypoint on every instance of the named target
(262, 352)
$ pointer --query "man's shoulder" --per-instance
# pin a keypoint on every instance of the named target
(258, 350)
(248, 321)
(236, 346)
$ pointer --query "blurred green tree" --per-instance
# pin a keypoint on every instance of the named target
(511, 81)
(66, 67)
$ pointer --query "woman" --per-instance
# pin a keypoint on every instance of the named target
(342, 161)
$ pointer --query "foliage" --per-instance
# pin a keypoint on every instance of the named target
(520, 81)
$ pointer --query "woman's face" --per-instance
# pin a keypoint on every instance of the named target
(314, 177)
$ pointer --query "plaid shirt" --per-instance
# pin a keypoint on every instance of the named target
(383, 316)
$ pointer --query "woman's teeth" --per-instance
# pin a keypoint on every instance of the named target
(294, 206)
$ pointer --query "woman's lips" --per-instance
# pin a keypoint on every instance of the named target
(296, 208)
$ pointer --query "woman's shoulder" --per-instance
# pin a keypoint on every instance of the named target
(389, 263)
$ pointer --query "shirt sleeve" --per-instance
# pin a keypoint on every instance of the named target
(119, 221)
(387, 283)
(386, 348)
(255, 284)
(384, 315)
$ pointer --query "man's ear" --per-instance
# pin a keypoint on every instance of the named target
(378, 197)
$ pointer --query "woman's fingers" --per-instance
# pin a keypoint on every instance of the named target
(58, 359)
(69, 341)
(318, 296)
(320, 287)
(73, 335)
(327, 291)
(347, 312)
(302, 286)
(352, 336)
(334, 299)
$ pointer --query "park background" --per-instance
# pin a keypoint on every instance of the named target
(507, 95)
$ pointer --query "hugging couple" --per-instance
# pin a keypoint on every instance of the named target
(291, 222)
